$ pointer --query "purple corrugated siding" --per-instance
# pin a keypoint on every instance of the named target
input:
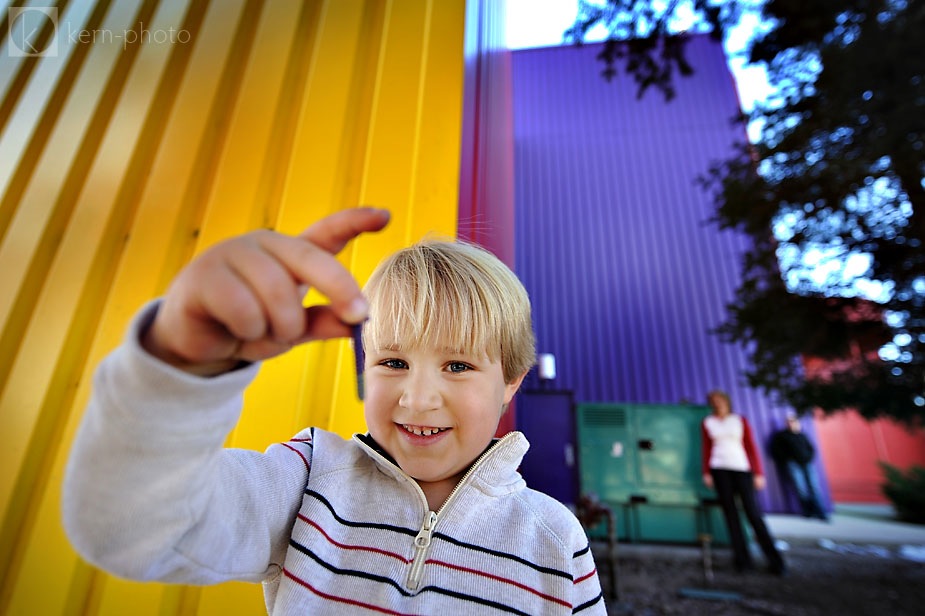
(613, 241)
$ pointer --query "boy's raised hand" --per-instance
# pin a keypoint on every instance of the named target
(241, 300)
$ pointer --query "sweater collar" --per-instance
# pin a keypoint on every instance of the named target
(498, 464)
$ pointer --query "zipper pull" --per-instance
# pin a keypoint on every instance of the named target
(421, 545)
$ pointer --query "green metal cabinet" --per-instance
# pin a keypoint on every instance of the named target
(643, 460)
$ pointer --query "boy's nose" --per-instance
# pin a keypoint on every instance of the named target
(420, 394)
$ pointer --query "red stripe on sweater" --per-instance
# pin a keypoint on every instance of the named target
(500, 579)
(344, 546)
(337, 599)
(299, 453)
(586, 576)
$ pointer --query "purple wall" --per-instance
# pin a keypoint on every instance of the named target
(626, 274)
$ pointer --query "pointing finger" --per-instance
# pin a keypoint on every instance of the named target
(333, 232)
(311, 265)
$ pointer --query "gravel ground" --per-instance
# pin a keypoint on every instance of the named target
(841, 579)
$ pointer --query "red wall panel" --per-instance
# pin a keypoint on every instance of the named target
(852, 447)
(486, 179)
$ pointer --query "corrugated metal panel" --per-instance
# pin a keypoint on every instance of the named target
(119, 160)
(853, 448)
(486, 181)
(613, 241)
(486, 189)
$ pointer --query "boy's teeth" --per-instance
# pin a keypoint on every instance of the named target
(422, 431)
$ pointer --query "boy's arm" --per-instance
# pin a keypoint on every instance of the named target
(150, 493)
(588, 598)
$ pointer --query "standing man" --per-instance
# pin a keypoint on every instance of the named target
(793, 453)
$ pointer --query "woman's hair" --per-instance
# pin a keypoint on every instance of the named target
(451, 294)
(719, 393)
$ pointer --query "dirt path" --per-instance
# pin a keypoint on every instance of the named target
(839, 580)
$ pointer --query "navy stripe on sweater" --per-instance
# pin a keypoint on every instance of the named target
(398, 588)
(413, 532)
(436, 589)
(437, 563)
(505, 555)
(588, 604)
(377, 525)
(337, 599)
(350, 572)
(382, 610)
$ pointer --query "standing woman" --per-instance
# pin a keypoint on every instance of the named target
(732, 466)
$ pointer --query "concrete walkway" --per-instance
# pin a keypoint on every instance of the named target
(859, 524)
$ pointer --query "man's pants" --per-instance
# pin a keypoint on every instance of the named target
(805, 483)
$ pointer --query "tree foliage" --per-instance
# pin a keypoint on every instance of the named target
(836, 174)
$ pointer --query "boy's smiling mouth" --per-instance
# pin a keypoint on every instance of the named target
(422, 430)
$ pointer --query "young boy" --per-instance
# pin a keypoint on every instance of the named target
(425, 514)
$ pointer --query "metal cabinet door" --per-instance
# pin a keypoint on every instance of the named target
(607, 464)
(667, 441)
(546, 418)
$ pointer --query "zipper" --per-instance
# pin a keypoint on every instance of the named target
(421, 545)
(423, 539)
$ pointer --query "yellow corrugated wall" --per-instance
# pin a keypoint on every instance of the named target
(142, 131)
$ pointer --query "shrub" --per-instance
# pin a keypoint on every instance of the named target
(906, 490)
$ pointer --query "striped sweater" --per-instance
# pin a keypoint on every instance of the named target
(330, 526)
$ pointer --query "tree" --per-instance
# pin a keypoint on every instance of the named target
(837, 174)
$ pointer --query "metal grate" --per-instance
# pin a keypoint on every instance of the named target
(605, 416)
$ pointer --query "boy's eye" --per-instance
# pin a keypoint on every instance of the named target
(458, 366)
(395, 364)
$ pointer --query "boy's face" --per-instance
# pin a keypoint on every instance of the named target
(434, 410)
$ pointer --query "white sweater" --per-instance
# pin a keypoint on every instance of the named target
(328, 525)
(728, 444)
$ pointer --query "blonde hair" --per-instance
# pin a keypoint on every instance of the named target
(451, 294)
(719, 393)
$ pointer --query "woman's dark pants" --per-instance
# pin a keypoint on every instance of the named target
(728, 485)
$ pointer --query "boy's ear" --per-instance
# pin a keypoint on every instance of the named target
(511, 388)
